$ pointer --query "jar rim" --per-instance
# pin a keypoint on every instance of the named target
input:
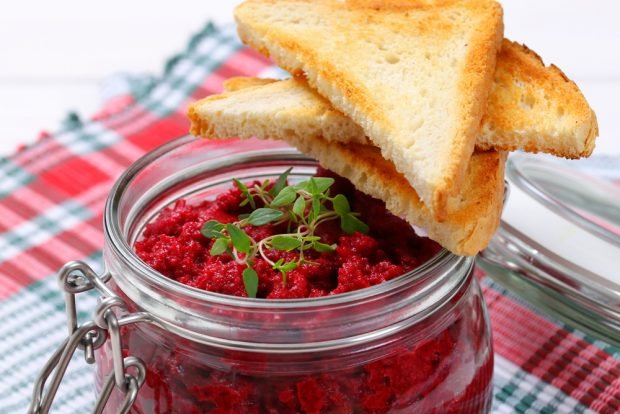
(121, 247)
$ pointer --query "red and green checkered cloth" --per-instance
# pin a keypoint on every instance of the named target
(51, 200)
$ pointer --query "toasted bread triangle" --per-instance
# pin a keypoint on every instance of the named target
(416, 78)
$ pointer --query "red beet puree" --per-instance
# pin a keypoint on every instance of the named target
(174, 246)
(437, 372)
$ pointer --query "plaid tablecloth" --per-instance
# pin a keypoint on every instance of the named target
(51, 200)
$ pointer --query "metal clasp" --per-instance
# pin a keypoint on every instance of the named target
(128, 374)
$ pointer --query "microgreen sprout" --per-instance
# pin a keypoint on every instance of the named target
(302, 207)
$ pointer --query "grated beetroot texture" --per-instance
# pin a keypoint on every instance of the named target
(174, 246)
(442, 372)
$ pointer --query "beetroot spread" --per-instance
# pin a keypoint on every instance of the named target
(444, 370)
(174, 245)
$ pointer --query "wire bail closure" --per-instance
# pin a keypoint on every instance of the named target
(110, 315)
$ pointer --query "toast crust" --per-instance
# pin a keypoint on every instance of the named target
(402, 138)
(475, 85)
(242, 82)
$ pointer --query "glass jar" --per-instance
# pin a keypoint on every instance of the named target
(418, 343)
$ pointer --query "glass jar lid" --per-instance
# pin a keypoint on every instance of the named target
(558, 246)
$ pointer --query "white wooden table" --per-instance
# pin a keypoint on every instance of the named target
(54, 55)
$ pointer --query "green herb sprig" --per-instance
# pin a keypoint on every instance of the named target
(303, 207)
